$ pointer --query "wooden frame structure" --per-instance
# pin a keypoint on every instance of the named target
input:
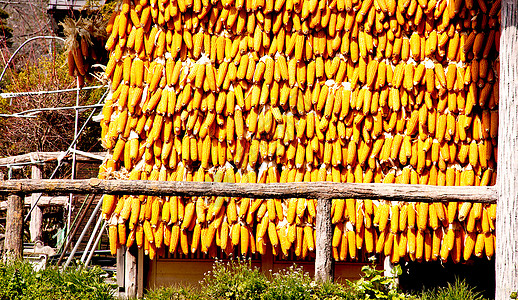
(323, 191)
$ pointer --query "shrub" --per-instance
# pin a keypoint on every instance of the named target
(173, 293)
(374, 285)
(237, 279)
(459, 290)
(291, 283)
(234, 280)
(19, 281)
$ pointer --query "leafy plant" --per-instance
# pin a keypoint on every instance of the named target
(18, 281)
(374, 285)
(173, 293)
(459, 290)
(290, 283)
(236, 279)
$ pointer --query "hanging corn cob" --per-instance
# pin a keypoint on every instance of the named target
(84, 40)
(370, 91)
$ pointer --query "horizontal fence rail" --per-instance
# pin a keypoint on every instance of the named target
(309, 190)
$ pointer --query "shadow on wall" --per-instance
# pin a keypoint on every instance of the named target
(478, 273)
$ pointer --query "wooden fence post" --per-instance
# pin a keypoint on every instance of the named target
(506, 260)
(323, 259)
(13, 243)
(36, 214)
(130, 273)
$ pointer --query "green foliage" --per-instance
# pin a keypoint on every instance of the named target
(291, 283)
(237, 279)
(294, 283)
(374, 285)
(234, 280)
(173, 293)
(18, 281)
(459, 290)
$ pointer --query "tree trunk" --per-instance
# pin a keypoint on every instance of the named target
(13, 244)
(323, 259)
(506, 261)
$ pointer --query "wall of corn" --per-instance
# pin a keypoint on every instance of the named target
(286, 91)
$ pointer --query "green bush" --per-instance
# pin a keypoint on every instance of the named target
(374, 285)
(234, 280)
(291, 283)
(294, 283)
(237, 279)
(459, 290)
(173, 293)
(19, 281)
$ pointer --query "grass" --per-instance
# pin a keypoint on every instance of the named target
(459, 290)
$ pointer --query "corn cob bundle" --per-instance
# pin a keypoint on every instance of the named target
(290, 91)
(84, 40)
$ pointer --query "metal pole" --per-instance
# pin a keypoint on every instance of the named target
(74, 147)
(76, 227)
(71, 256)
(91, 239)
(96, 242)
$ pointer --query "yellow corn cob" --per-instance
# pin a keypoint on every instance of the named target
(114, 241)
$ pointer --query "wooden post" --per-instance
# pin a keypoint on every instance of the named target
(120, 268)
(140, 273)
(323, 259)
(127, 272)
(36, 214)
(506, 266)
(130, 273)
(13, 244)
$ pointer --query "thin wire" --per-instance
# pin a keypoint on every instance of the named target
(23, 94)
(44, 37)
(31, 112)
(66, 152)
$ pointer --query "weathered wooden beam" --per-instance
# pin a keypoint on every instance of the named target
(43, 202)
(39, 157)
(13, 244)
(506, 254)
(311, 190)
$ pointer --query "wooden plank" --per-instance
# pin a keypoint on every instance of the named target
(43, 202)
(120, 267)
(324, 237)
(310, 190)
(140, 273)
(39, 157)
(506, 266)
(36, 214)
(13, 244)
